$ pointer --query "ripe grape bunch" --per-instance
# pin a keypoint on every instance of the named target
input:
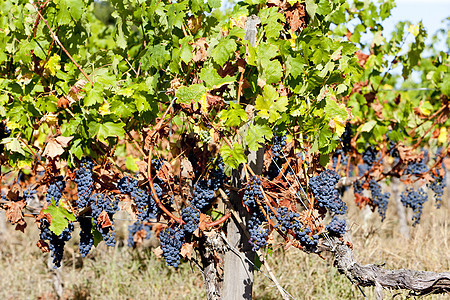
(100, 203)
(55, 190)
(146, 205)
(258, 233)
(86, 236)
(191, 217)
(379, 199)
(305, 236)
(56, 242)
(415, 200)
(278, 144)
(171, 241)
(252, 193)
(84, 182)
(285, 218)
(438, 184)
(138, 226)
(336, 227)
(325, 193)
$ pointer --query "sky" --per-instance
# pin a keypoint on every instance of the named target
(430, 12)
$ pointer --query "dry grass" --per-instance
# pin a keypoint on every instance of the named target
(121, 273)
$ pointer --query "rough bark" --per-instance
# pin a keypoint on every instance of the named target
(419, 282)
(211, 249)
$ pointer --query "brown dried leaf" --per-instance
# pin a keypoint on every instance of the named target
(362, 58)
(43, 246)
(53, 149)
(186, 169)
(104, 220)
(203, 220)
(378, 108)
(406, 153)
(158, 252)
(63, 102)
(186, 250)
(14, 212)
(64, 140)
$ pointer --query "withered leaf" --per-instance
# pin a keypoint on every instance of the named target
(104, 220)
(43, 246)
(186, 250)
(14, 212)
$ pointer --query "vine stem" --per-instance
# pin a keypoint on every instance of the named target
(56, 39)
(152, 188)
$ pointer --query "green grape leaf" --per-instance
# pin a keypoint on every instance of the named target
(234, 115)
(107, 129)
(233, 157)
(213, 79)
(193, 93)
(223, 51)
(60, 217)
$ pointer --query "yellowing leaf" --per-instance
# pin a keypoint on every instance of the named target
(442, 138)
(53, 65)
(339, 125)
(104, 109)
(414, 29)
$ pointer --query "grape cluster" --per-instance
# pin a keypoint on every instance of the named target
(285, 218)
(278, 144)
(336, 227)
(379, 199)
(203, 195)
(28, 194)
(415, 200)
(55, 190)
(327, 196)
(346, 138)
(56, 242)
(437, 185)
(86, 237)
(84, 181)
(191, 217)
(274, 167)
(370, 156)
(252, 193)
(171, 241)
(258, 233)
(137, 227)
(304, 236)
(146, 205)
(100, 203)
(205, 136)
(339, 153)
(357, 187)
(217, 174)
(416, 167)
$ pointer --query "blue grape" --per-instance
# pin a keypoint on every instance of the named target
(137, 227)
(28, 194)
(304, 235)
(84, 182)
(101, 203)
(285, 218)
(336, 227)
(325, 193)
(217, 175)
(172, 239)
(379, 199)
(56, 242)
(415, 200)
(370, 156)
(252, 193)
(203, 195)
(55, 190)
(258, 233)
(357, 188)
(86, 237)
(416, 167)
(146, 205)
(191, 217)
(438, 184)
(346, 138)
